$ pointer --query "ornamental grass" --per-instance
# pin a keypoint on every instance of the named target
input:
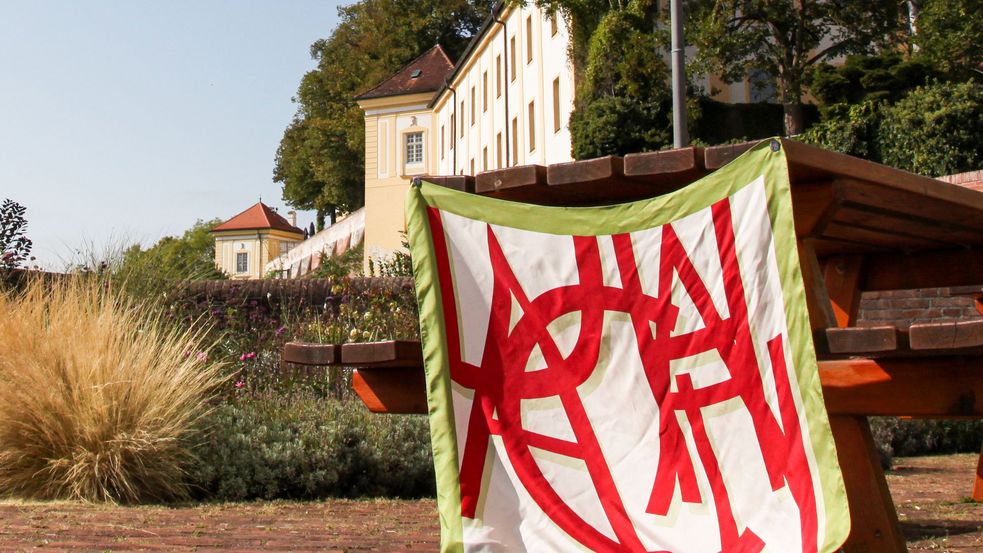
(100, 398)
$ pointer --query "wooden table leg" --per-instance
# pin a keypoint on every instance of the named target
(874, 520)
(978, 484)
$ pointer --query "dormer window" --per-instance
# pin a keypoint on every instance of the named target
(414, 148)
(416, 73)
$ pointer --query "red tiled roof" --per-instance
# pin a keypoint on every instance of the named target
(433, 66)
(259, 216)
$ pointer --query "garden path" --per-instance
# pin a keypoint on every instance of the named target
(930, 493)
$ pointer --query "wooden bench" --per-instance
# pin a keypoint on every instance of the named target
(860, 227)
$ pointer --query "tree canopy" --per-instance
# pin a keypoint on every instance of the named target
(321, 158)
(784, 39)
(190, 256)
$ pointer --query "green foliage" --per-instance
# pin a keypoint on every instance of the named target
(321, 159)
(305, 447)
(908, 437)
(192, 255)
(784, 38)
(887, 76)
(950, 35)
(719, 123)
(850, 129)
(622, 97)
(340, 266)
(618, 126)
(15, 247)
(935, 130)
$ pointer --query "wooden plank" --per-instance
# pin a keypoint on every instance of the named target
(895, 271)
(463, 183)
(922, 205)
(977, 494)
(597, 171)
(873, 519)
(717, 156)
(303, 353)
(936, 386)
(946, 335)
(392, 390)
(807, 162)
(812, 206)
(393, 353)
(512, 180)
(817, 300)
(878, 237)
(862, 340)
(667, 170)
(843, 275)
(907, 225)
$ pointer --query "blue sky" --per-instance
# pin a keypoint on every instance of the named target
(128, 120)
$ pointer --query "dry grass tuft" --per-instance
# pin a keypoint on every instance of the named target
(100, 399)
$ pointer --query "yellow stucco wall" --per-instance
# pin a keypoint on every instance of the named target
(260, 246)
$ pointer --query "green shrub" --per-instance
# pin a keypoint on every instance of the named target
(304, 447)
(849, 129)
(908, 437)
(935, 130)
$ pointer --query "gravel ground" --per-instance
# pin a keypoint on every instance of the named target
(931, 494)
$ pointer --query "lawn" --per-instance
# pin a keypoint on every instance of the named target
(930, 493)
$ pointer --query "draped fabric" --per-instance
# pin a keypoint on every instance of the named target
(635, 377)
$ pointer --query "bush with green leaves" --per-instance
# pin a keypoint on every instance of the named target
(15, 247)
(850, 129)
(935, 130)
(909, 437)
(300, 446)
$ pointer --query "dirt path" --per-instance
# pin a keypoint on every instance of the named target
(930, 493)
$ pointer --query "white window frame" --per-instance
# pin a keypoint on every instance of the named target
(242, 262)
(413, 148)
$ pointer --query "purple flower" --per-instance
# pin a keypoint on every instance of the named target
(279, 331)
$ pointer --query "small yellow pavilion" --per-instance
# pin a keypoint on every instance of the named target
(247, 242)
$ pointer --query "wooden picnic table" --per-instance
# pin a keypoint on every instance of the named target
(860, 226)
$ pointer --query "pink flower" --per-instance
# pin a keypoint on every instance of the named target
(242, 357)
(202, 356)
(240, 384)
(251, 355)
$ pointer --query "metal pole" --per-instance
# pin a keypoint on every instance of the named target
(680, 132)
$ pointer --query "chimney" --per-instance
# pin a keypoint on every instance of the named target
(292, 217)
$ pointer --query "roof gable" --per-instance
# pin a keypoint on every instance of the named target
(424, 74)
(259, 216)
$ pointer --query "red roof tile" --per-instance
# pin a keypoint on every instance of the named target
(257, 217)
(433, 65)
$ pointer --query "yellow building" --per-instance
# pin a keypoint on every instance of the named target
(247, 242)
(506, 102)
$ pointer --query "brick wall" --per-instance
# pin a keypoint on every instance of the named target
(971, 179)
(905, 307)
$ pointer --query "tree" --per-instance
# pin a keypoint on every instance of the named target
(622, 102)
(949, 34)
(188, 257)
(15, 247)
(784, 39)
(321, 159)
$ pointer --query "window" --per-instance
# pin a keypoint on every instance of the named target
(515, 141)
(512, 56)
(498, 76)
(531, 124)
(414, 148)
(453, 124)
(498, 150)
(484, 158)
(553, 24)
(472, 166)
(556, 104)
(442, 145)
(529, 39)
(472, 106)
(484, 91)
(462, 118)
(242, 262)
